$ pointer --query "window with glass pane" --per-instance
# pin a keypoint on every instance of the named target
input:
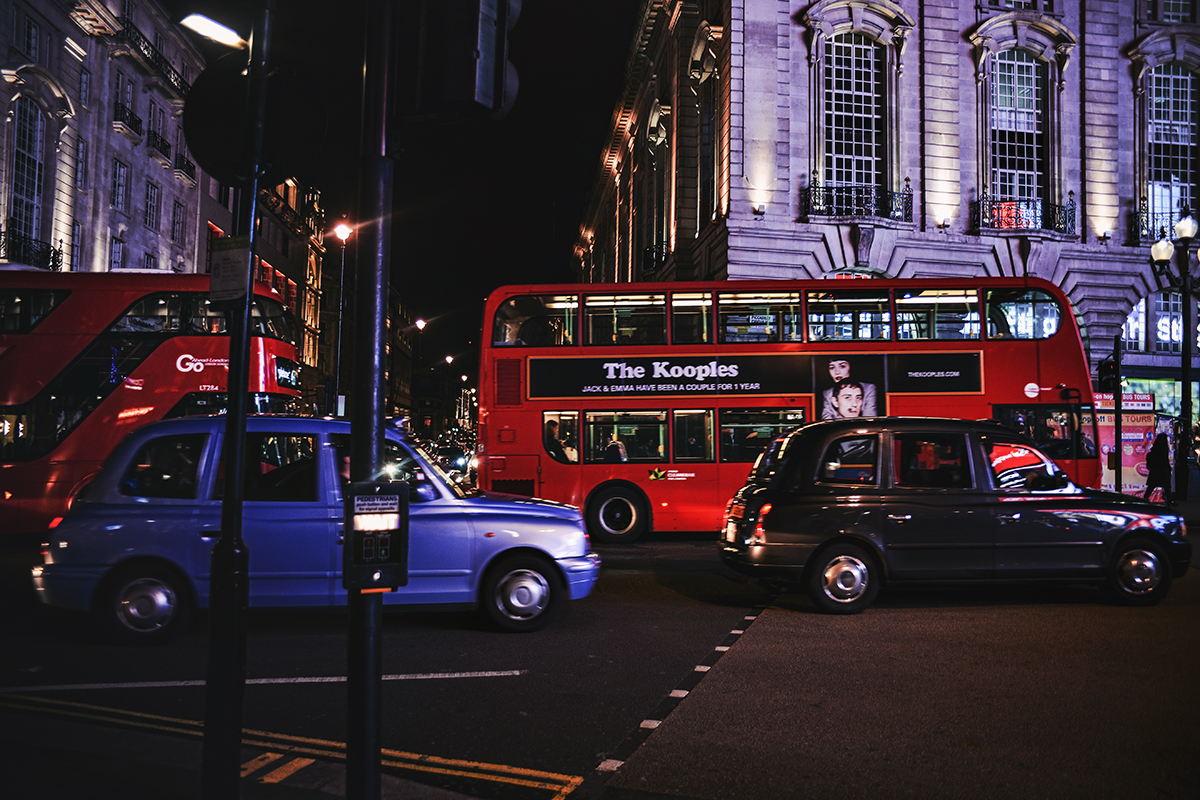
(851, 459)
(1017, 140)
(930, 461)
(1172, 10)
(1021, 314)
(1133, 334)
(280, 468)
(560, 435)
(529, 320)
(849, 316)
(854, 135)
(29, 147)
(691, 318)
(1168, 322)
(1171, 137)
(694, 435)
(625, 319)
(157, 313)
(615, 436)
(165, 467)
(21, 309)
(759, 316)
(744, 432)
(938, 314)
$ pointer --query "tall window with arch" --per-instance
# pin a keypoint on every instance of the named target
(854, 120)
(1018, 138)
(28, 173)
(1171, 140)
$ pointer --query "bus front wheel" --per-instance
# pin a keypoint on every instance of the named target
(617, 515)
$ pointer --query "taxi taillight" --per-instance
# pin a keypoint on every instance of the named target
(760, 535)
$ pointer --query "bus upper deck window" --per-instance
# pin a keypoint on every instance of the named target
(849, 316)
(691, 318)
(937, 314)
(625, 319)
(21, 309)
(759, 317)
(156, 313)
(529, 320)
(1022, 314)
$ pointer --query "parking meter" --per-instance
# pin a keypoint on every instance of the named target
(375, 551)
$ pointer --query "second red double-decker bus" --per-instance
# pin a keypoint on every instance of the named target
(645, 404)
(87, 357)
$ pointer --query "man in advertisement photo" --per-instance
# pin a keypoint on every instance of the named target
(840, 371)
(847, 399)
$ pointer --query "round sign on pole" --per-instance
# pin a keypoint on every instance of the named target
(218, 120)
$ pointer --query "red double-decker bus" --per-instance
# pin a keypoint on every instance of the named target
(645, 404)
(87, 357)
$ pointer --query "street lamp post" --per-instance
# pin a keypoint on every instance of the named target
(1161, 252)
(342, 232)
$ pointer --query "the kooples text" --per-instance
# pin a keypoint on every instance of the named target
(618, 370)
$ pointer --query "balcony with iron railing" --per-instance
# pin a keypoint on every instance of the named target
(150, 56)
(18, 248)
(1147, 227)
(654, 258)
(127, 122)
(185, 170)
(159, 147)
(301, 225)
(857, 201)
(989, 214)
(1049, 7)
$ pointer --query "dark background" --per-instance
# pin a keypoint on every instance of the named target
(479, 203)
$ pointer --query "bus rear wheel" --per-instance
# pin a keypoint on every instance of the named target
(617, 515)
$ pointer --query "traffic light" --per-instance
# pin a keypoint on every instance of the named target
(459, 51)
(495, 77)
(1106, 374)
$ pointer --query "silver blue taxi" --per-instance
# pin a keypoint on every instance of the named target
(136, 546)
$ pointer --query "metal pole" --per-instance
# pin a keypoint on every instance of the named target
(1118, 414)
(1189, 333)
(365, 661)
(337, 358)
(225, 684)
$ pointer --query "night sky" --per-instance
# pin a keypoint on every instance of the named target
(478, 203)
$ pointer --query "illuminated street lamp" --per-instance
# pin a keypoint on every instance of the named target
(342, 231)
(1161, 253)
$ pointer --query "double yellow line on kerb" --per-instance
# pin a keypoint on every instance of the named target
(560, 785)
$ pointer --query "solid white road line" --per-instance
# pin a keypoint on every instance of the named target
(419, 676)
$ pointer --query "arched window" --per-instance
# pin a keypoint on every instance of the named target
(1017, 139)
(855, 144)
(1171, 142)
(29, 169)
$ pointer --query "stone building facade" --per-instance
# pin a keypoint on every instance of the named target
(911, 138)
(95, 173)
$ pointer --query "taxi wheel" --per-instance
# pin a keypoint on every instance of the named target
(146, 604)
(843, 580)
(617, 515)
(1139, 574)
(522, 593)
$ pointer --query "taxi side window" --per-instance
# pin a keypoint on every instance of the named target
(1018, 467)
(165, 467)
(280, 468)
(851, 459)
(398, 465)
(930, 461)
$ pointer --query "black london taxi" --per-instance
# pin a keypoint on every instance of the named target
(842, 507)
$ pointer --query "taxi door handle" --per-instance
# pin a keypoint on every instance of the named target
(1007, 518)
(899, 517)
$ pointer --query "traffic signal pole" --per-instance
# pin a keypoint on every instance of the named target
(364, 658)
